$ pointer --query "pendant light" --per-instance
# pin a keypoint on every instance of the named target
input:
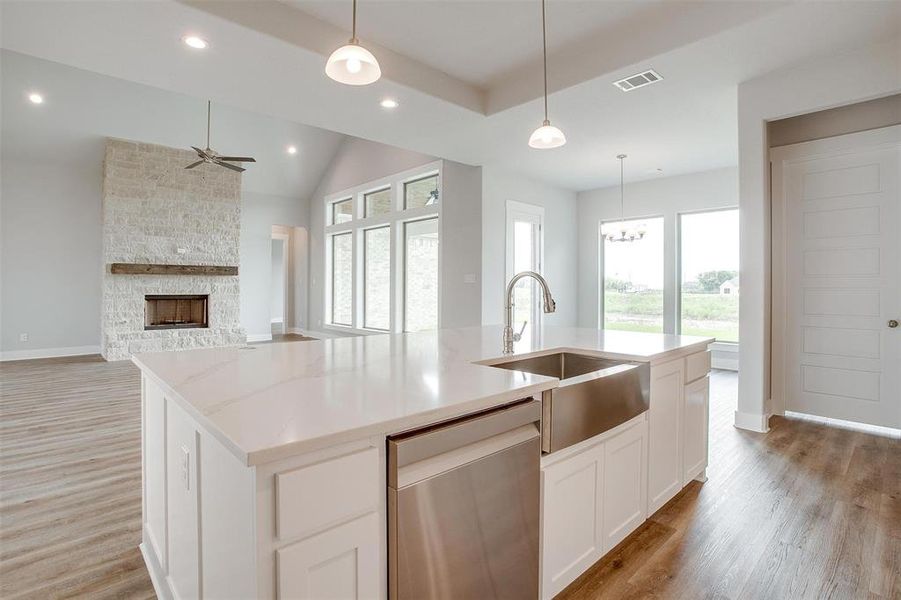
(352, 63)
(547, 136)
(623, 234)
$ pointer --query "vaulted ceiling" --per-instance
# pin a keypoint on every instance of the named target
(467, 74)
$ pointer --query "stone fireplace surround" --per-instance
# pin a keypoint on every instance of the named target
(156, 212)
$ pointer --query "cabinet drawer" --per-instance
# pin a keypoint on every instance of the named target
(697, 366)
(318, 495)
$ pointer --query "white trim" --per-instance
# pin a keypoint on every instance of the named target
(9, 355)
(258, 337)
(752, 422)
(865, 427)
(287, 263)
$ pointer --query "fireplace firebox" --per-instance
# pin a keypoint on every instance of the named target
(176, 311)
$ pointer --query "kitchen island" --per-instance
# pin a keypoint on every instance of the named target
(265, 466)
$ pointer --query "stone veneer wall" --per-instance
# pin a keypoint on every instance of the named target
(152, 207)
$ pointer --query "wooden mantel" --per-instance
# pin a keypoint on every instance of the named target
(154, 269)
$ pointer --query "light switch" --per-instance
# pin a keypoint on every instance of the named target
(186, 467)
(469, 278)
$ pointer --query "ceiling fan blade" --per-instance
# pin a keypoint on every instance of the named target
(228, 166)
(200, 152)
(192, 165)
(237, 158)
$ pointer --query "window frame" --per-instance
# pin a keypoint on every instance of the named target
(360, 222)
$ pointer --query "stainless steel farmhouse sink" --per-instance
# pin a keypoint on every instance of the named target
(595, 394)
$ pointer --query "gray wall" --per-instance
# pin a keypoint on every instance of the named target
(461, 245)
(861, 116)
(50, 242)
(561, 257)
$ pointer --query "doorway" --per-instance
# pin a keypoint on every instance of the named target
(278, 291)
(525, 252)
(836, 277)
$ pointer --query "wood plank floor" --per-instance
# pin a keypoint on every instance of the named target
(807, 511)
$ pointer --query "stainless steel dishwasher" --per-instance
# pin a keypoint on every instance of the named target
(463, 507)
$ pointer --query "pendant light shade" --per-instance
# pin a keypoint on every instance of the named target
(547, 136)
(352, 64)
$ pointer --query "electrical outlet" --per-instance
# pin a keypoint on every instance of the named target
(469, 278)
(23, 337)
(186, 467)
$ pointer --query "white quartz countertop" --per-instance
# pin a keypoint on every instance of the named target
(271, 401)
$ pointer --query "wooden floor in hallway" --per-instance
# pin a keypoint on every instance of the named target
(807, 511)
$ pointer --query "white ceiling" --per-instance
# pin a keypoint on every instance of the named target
(82, 108)
(469, 95)
(497, 37)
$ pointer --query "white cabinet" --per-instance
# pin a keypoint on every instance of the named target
(342, 562)
(665, 433)
(572, 501)
(591, 500)
(695, 417)
(182, 504)
(625, 484)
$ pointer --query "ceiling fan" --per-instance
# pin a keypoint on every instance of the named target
(208, 155)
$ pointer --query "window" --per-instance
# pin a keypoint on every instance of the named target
(342, 211)
(377, 278)
(421, 275)
(342, 279)
(378, 203)
(381, 260)
(523, 253)
(708, 298)
(421, 192)
(633, 277)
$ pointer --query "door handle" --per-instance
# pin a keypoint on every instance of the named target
(893, 323)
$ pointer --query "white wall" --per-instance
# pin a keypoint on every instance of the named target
(858, 75)
(560, 243)
(666, 197)
(277, 280)
(259, 213)
(50, 249)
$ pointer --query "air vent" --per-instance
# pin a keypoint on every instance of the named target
(638, 80)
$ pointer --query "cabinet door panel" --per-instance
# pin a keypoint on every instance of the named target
(625, 481)
(572, 528)
(154, 437)
(184, 523)
(665, 434)
(339, 563)
(697, 395)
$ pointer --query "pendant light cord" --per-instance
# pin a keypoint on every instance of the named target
(622, 191)
(544, 51)
(353, 35)
(208, 104)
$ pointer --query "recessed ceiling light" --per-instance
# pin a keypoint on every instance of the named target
(196, 42)
(36, 98)
(292, 149)
(389, 103)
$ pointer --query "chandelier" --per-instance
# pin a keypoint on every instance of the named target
(623, 233)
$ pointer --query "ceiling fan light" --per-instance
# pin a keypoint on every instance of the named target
(353, 64)
(547, 136)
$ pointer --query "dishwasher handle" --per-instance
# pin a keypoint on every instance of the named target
(463, 437)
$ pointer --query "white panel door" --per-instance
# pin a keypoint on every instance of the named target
(840, 200)
(341, 563)
(665, 433)
(572, 518)
(625, 483)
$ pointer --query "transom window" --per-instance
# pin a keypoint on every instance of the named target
(383, 253)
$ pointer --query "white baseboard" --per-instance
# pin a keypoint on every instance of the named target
(854, 425)
(259, 337)
(752, 421)
(157, 577)
(48, 353)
